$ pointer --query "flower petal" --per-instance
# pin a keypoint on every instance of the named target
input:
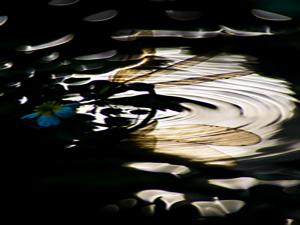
(74, 105)
(29, 116)
(65, 112)
(47, 121)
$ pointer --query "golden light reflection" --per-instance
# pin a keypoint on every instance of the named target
(127, 57)
(248, 109)
(195, 153)
(206, 134)
(191, 142)
(193, 150)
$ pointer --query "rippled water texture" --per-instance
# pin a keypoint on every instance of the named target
(252, 102)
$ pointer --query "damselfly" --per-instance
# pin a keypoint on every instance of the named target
(184, 140)
(131, 77)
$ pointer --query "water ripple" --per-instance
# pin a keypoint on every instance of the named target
(253, 102)
(214, 91)
(259, 110)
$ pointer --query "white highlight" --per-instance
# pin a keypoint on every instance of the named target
(60, 41)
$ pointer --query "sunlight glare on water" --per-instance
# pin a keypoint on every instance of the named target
(168, 197)
(218, 207)
(269, 15)
(160, 167)
(102, 16)
(248, 182)
(63, 40)
(256, 104)
(96, 56)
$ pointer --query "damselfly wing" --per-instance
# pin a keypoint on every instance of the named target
(132, 77)
(193, 141)
(138, 73)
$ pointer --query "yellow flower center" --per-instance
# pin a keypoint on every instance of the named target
(48, 108)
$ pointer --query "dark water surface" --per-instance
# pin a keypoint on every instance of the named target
(169, 112)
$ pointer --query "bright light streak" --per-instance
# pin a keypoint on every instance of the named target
(16, 84)
(167, 33)
(6, 66)
(218, 208)
(3, 20)
(88, 67)
(160, 167)
(269, 15)
(31, 72)
(240, 183)
(51, 57)
(102, 16)
(243, 183)
(245, 33)
(63, 40)
(23, 100)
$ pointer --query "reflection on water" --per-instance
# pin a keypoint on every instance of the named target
(218, 208)
(102, 16)
(160, 167)
(247, 182)
(255, 104)
(59, 41)
(222, 122)
(160, 133)
(168, 197)
(269, 15)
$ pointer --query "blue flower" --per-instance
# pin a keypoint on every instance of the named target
(48, 113)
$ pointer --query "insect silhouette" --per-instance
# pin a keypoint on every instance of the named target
(132, 77)
(184, 140)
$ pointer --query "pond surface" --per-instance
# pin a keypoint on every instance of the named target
(190, 117)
